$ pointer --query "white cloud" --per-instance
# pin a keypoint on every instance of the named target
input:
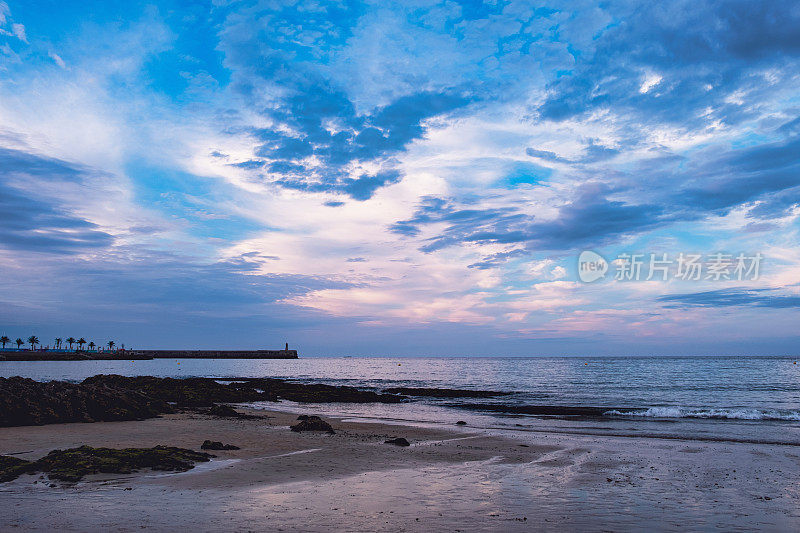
(19, 31)
(55, 57)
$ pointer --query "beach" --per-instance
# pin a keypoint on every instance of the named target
(451, 478)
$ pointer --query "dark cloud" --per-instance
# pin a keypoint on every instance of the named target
(732, 298)
(589, 219)
(593, 152)
(704, 51)
(373, 138)
(20, 164)
(35, 223)
(717, 183)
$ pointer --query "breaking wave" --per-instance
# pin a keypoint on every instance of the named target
(733, 414)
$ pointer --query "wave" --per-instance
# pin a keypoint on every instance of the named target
(724, 414)
(566, 411)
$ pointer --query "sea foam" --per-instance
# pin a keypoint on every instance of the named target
(733, 414)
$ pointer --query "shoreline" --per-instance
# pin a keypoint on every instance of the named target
(449, 478)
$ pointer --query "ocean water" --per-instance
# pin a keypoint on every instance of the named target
(749, 399)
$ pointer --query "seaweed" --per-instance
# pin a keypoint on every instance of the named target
(73, 464)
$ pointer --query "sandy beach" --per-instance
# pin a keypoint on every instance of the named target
(450, 479)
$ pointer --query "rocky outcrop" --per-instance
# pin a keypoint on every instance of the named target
(217, 445)
(225, 411)
(12, 467)
(311, 423)
(319, 393)
(73, 464)
(206, 391)
(399, 441)
(112, 397)
(25, 402)
(189, 392)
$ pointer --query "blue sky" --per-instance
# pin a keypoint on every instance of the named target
(389, 178)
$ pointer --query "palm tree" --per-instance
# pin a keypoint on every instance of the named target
(110, 345)
(91, 345)
(4, 340)
(34, 340)
(19, 342)
(70, 341)
(81, 342)
(58, 343)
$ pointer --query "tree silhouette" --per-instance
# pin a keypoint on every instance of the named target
(58, 343)
(70, 341)
(110, 345)
(81, 342)
(34, 340)
(91, 345)
(19, 342)
(4, 340)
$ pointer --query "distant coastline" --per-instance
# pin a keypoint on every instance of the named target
(84, 355)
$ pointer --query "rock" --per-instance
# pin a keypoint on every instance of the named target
(311, 423)
(25, 402)
(216, 445)
(13, 467)
(185, 392)
(400, 441)
(71, 465)
(111, 397)
(461, 423)
(224, 411)
(319, 393)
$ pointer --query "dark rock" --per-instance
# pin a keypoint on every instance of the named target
(191, 392)
(308, 417)
(207, 391)
(224, 411)
(216, 445)
(73, 464)
(461, 423)
(446, 393)
(311, 423)
(400, 441)
(112, 397)
(12, 467)
(319, 393)
(25, 402)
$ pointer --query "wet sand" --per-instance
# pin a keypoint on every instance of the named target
(449, 479)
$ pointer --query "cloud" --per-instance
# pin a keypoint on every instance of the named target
(19, 31)
(57, 59)
(329, 143)
(769, 170)
(589, 218)
(733, 298)
(35, 223)
(703, 52)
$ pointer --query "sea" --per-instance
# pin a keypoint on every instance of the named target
(741, 399)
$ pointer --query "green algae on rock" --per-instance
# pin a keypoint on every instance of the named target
(12, 467)
(75, 463)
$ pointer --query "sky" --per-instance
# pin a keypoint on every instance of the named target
(401, 178)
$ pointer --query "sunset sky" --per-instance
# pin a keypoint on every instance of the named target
(398, 178)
